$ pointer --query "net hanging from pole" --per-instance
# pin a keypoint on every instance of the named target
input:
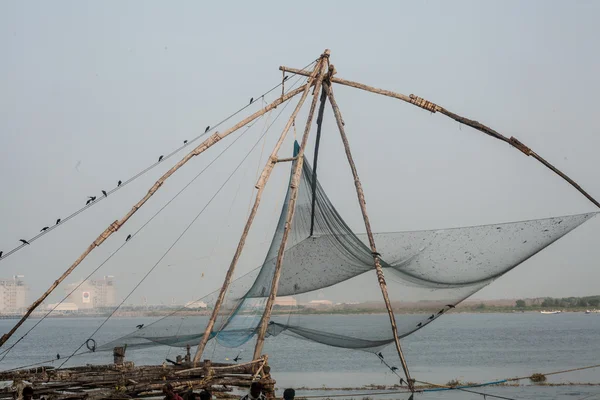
(427, 272)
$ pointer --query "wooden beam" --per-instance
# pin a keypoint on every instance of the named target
(323, 100)
(260, 186)
(115, 226)
(363, 209)
(432, 107)
(295, 182)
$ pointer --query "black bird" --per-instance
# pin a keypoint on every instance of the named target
(185, 142)
(251, 100)
(207, 128)
(380, 355)
(92, 198)
(394, 369)
(140, 326)
(420, 324)
(1, 254)
(104, 193)
(432, 316)
(119, 183)
(173, 362)
(286, 78)
(45, 228)
(57, 356)
(128, 237)
(441, 311)
(402, 381)
(23, 241)
(238, 358)
(88, 202)
(450, 306)
(58, 221)
(160, 158)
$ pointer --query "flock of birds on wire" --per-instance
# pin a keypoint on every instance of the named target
(92, 199)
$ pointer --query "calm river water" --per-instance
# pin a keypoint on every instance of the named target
(468, 347)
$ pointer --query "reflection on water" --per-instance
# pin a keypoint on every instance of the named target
(468, 347)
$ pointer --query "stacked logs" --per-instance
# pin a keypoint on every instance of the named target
(124, 380)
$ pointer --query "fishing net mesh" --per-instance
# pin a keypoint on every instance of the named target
(331, 271)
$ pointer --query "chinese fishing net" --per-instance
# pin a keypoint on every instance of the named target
(427, 273)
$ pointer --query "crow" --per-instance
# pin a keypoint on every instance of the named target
(160, 158)
(380, 355)
(286, 78)
(185, 142)
(23, 241)
(441, 311)
(251, 100)
(394, 369)
(45, 228)
(207, 128)
(128, 237)
(402, 381)
(92, 198)
(58, 221)
(238, 358)
(88, 202)
(420, 324)
(119, 183)
(104, 193)
(1, 254)
(432, 316)
(140, 326)
(57, 356)
(450, 306)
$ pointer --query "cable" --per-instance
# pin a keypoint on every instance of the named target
(133, 178)
(175, 242)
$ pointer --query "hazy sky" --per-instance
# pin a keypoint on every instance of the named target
(92, 93)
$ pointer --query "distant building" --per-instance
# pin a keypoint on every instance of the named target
(13, 294)
(95, 293)
(286, 301)
(71, 307)
(196, 304)
(320, 303)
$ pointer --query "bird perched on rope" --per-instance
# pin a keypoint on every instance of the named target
(394, 369)
(251, 100)
(420, 324)
(160, 158)
(1, 254)
(380, 355)
(23, 241)
(441, 311)
(450, 306)
(286, 78)
(185, 142)
(45, 228)
(140, 326)
(90, 199)
(172, 362)
(58, 221)
(57, 356)
(432, 317)
(119, 183)
(128, 237)
(104, 193)
(207, 129)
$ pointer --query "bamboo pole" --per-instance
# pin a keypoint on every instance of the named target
(260, 188)
(363, 209)
(429, 106)
(214, 138)
(297, 172)
(316, 158)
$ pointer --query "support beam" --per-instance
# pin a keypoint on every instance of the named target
(316, 158)
(429, 106)
(363, 208)
(297, 172)
(115, 226)
(266, 173)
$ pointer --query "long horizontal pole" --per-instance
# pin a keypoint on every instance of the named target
(115, 226)
(432, 107)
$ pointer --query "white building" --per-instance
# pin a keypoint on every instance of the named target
(320, 303)
(196, 304)
(286, 301)
(13, 294)
(94, 293)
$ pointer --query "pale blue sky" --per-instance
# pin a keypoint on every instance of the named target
(110, 86)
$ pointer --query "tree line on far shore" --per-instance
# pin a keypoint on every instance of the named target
(564, 302)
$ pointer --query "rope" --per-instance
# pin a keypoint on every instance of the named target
(139, 174)
(555, 372)
(463, 389)
(180, 236)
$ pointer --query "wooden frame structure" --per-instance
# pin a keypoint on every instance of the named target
(321, 79)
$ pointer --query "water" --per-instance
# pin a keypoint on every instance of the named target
(468, 347)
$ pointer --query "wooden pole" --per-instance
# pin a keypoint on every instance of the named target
(297, 172)
(316, 158)
(214, 138)
(266, 173)
(363, 208)
(429, 106)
